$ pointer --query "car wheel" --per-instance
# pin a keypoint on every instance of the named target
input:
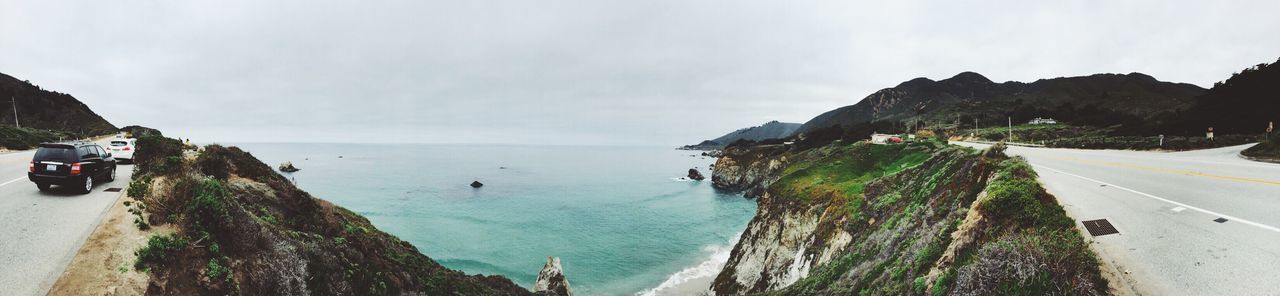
(88, 185)
(42, 186)
(112, 175)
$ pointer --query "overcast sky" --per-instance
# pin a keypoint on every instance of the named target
(579, 72)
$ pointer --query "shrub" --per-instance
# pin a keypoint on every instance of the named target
(208, 207)
(139, 188)
(216, 270)
(1037, 262)
(159, 249)
(213, 162)
(157, 153)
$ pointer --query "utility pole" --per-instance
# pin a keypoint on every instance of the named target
(1010, 129)
(14, 102)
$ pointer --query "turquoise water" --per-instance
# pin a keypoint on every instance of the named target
(618, 217)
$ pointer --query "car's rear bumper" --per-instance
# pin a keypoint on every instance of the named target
(54, 179)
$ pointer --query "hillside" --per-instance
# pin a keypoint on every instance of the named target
(768, 130)
(912, 219)
(1099, 100)
(1242, 104)
(241, 228)
(48, 110)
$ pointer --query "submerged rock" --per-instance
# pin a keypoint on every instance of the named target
(288, 167)
(694, 174)
(476, 184)
(551, 280)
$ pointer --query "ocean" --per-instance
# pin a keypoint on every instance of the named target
(621, 219)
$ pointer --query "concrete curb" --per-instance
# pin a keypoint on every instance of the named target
(1259, 159)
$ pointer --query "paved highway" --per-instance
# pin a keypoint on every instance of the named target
(1165, 206)
(40, 232)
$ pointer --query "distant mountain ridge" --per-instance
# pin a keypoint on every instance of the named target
(50, 110)
(970, 96)
(769, 130)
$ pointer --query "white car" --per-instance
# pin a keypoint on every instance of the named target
(123, 149)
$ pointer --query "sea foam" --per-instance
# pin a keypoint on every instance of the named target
(695, 279)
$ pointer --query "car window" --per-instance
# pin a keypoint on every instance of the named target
(55, 154)
(119, 143)
(88, 152)
(101, 152)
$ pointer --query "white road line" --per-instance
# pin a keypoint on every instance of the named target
(11, 181)
(1247, 222)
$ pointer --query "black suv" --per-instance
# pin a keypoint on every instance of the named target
(76, 165)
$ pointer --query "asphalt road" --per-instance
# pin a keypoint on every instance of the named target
(40, 232)
(1165, 206)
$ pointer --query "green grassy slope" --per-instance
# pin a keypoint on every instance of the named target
(908, 208)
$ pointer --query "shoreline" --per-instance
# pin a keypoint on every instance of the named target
(696, 279)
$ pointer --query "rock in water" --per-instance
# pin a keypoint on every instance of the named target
(476, 184)
(288, 167)
(551, 280)
(694, 174)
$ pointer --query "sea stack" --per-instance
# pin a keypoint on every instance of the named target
(476, 184)
(288, 167)
(551, 280)
(695, 175)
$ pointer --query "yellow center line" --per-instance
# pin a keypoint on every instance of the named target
(1164, 170)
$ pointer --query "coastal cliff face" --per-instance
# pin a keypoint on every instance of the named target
(899, 219)
(749, 169)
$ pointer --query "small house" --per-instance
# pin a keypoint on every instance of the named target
(1039, 120)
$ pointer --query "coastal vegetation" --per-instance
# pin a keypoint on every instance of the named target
(241, 228)
(1268, 149)
(923, 218)
(1085, 137)
(14, 138)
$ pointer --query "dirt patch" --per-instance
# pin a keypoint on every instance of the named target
(104, 264)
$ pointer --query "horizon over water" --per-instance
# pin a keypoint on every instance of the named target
(619, 217)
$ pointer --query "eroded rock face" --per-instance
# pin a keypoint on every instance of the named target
(551, 280)
(749, 169)
(695, 175)
(794, 234)
(781, 245)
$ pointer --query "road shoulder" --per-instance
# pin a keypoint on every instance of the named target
(104, 263)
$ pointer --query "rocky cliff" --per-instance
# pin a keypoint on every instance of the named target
(551, 280)
(899, 219)
(748, 168)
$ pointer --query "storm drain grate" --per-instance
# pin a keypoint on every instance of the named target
(1220, 220)
(112, 189)
(1099, 227)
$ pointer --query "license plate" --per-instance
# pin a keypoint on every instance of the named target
(51, 167)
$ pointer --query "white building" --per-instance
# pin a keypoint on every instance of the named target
(885, 139)
(1039, 120)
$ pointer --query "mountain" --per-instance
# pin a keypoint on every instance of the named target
(1242, 104)
(1100, 99)
(48, 110)
(769, 130)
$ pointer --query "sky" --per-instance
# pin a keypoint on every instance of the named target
(590, 72)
